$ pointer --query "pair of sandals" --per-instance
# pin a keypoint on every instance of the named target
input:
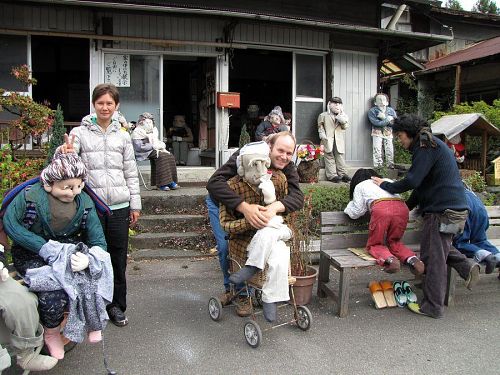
(391, 294)
(403, 294)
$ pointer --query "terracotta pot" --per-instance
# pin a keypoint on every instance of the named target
(303, 287)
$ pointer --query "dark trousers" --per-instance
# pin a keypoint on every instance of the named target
(52, 304)
(115, 229)
(437, 253)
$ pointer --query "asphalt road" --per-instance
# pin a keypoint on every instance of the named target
(170, 332)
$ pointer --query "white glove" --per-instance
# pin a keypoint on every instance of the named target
(4, 272)
(390, 119)
(79, 262)
(342, 118)
(381, 115)
(179, 139)
(267, 188)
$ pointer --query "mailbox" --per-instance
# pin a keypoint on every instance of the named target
(228, 100)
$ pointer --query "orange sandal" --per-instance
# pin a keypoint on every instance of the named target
(388, 293)
(377, 294)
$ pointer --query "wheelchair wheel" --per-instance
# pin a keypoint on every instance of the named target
(253, 334)
(258, 298)
(215, 309)
(303, 318)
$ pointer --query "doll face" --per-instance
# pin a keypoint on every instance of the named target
(148, 125)
(336, 108)
(255, 166)
(274, 119)
(381, 101)
(65, 190)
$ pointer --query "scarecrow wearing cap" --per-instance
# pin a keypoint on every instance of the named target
(331, 128)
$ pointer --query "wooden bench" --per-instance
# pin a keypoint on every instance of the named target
(339, 232)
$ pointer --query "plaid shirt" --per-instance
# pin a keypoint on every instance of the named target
(234, 223)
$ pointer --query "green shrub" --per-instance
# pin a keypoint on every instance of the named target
(12, 173)
(325, 198)
(476, 182)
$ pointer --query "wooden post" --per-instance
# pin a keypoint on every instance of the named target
(458, 73)
(484, 152)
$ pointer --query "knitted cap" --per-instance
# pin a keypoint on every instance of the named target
(64, 167)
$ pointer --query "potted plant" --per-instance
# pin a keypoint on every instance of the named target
(309, 154)
(301, 270)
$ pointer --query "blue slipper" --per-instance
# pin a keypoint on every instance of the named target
(399, 294)
(411, 297)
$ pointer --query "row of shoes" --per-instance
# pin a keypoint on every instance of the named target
(386, 293)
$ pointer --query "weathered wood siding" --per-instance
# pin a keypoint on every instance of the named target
(355, 81)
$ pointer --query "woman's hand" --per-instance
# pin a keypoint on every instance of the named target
(68, 146)
(134, 216)
(377, 180)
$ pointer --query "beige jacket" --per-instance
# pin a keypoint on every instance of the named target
(331, 130)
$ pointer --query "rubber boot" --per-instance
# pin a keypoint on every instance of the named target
(95, 337)
(53, 340)
(269, 311)
(29, 360)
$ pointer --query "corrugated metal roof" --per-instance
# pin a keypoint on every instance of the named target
(479, 50)
(471, 123)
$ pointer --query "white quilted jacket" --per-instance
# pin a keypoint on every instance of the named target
(109, 157)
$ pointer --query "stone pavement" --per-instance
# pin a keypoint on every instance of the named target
(170, 332)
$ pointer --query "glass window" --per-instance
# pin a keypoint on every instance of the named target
(17, 47)
(306, 122)
(309, 75)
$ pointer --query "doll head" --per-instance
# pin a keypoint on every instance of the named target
(64, 177)
(335, 105)
(253, 161)
(179, 121)
(381, 100)
(147, 122)
(275, 117)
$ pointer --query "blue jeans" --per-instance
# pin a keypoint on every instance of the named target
(220, 239)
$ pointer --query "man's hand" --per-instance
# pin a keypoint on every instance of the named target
(377, 180)
(79, 261)
(4, 272)
(67, 146)
(272, 210)
(134, 216)
(253, 214)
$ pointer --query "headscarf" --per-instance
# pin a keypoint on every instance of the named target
(275, 111)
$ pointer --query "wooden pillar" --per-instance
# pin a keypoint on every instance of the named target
(458, 73)
(484, 152)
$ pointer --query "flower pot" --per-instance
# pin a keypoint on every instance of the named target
(308, 171)
(303, 287)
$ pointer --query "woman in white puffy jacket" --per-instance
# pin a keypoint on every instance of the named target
(109, 156)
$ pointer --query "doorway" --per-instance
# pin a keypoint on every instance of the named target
(61, 67)
(264, 80)
(188, 92)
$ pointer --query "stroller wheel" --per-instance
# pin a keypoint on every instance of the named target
(253, 334)
(215, 309)
(303, 318)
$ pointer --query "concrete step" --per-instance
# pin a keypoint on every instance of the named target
(170, 222)
(186, 200)
(199, 241)
(164, 253)
(184, 174)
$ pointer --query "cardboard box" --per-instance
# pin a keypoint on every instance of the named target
(228, 100)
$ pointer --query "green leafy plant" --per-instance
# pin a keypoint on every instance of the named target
(476, 182)
(244, 136)
(58, 131)
(13, 172)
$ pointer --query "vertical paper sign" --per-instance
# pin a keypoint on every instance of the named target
(117, 70)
